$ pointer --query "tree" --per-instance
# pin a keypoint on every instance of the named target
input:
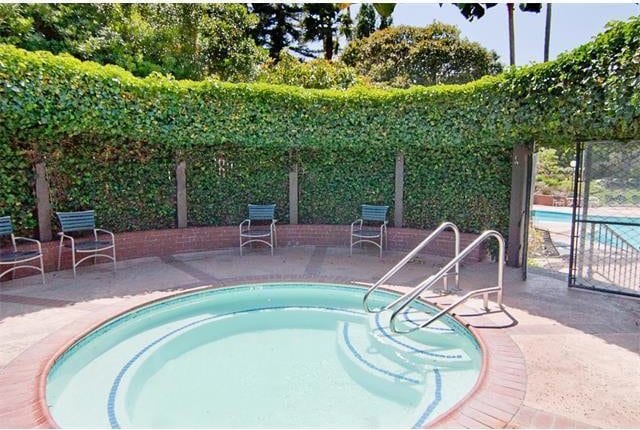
(278, 27)
(477, 10)
(321, 23)
(193, 41)
(346, 23)
(385, 21)
(189, 41)
(547, 33)
(365, 21)
(552, 174)
(81, 29)
(402, 56)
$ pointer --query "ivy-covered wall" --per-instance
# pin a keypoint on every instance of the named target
(221, 181)
(111, 141)
(129, 184)
(334, 183)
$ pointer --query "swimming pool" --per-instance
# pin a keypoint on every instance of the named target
(263, 355)
(630, 233)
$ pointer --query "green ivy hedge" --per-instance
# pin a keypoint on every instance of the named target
(17, 181)
(334, 183)
(222, 180)
(469, 187)
(131, 185)
(111, 140)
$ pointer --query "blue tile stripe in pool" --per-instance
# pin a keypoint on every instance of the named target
(111, 412)
(457, 328)
(407, 318)
(434, 403)
(419, 351)
(360, 358)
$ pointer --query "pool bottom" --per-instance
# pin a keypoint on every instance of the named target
(260, 356)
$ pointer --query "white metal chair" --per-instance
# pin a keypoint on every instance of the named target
(79, 222)
(259, 227)
(16, 257)
(371, 227)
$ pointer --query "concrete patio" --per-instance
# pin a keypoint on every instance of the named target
(581, 350)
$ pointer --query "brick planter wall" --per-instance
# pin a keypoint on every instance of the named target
(544, 200)
(161, 243)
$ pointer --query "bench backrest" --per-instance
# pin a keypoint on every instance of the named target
(374, 213)
(262, 212)
(77, 221)
(6, 228)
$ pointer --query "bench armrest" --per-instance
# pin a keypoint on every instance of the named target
(246, 222)
(358, 221)
(66, 236)
(26, 239)
(103, 231)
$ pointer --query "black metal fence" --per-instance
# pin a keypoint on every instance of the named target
(605, 231)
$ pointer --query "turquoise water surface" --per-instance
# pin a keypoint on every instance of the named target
(630, 233)
(266, 355)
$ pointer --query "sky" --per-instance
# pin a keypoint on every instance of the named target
(571, 26)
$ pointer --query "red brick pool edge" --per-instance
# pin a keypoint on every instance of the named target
(493, 402)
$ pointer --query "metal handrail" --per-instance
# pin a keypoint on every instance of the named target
(428, 283)
(442, 227)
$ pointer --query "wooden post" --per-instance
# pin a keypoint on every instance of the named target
(293, 193)
(43, 204)
(398, 211)
(517, 205)
(181, 196)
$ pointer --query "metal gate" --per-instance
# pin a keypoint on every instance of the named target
(605, 229)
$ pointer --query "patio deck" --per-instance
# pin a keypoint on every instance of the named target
(580, 351)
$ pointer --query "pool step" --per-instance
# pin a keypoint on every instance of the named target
(412, 317)
(435, 346)
(373, 369)
(436, 334)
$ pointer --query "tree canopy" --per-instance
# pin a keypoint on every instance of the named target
(189, 41)
(436, 54)
(278, 28)
(322, 22)
(366, 21)
(234, 41)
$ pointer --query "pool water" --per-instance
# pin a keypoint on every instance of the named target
(630, 233)
(264, 355)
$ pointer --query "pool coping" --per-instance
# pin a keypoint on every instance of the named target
(495, 399)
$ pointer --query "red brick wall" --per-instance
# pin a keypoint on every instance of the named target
(544, 200)
(159, 243)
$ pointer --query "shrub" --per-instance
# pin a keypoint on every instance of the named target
(318, 73)
(403, 56)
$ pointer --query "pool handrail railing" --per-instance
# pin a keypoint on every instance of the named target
(456, 272)
(409, 297)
